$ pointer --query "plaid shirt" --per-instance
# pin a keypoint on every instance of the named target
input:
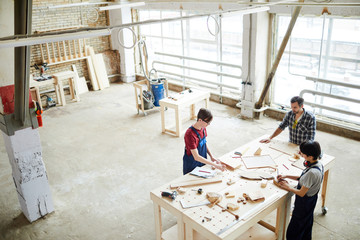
(304, 129)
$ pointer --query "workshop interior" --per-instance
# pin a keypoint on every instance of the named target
(97, 98)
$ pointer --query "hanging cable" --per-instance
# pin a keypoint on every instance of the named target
(217, 28)
(134, 38)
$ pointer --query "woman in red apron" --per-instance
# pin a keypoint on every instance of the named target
(300, 226)
(196, 150)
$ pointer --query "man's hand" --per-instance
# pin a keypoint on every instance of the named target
(266, 140)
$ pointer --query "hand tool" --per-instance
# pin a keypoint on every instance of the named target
(238, 153)
(184, 205)
(225, 209)
(172, 195)
(199, 191)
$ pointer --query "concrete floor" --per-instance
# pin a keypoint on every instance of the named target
(103, 160)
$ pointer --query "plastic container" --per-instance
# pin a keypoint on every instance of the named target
(157, 88)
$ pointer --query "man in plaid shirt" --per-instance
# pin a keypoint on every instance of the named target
(301, 123)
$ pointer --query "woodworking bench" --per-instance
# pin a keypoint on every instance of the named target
(194, 224)
(59, 88)
(179, 101)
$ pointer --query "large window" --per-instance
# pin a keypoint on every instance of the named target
(203, 52)
(321, 48)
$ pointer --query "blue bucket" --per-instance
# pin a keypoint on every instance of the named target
(157, 88)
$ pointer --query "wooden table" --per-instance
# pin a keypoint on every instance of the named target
(191, 222)
(178, 102)
(58, 86)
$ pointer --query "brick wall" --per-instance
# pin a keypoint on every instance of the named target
(53, 20)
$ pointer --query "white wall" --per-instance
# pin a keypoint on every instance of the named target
(6, 54)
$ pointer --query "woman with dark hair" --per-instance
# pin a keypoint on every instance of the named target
(196, 149)
(300, 226)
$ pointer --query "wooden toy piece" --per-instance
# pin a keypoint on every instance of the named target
(230, 182)
(263, 183)
(213, 198)
(256, 196)
(258, 152)
(232, 207)
(229, 195)
(181, 190)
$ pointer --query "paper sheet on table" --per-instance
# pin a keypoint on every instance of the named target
(203, 172)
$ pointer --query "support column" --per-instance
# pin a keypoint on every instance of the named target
(29, 173)
(127, 64)
(255, 46)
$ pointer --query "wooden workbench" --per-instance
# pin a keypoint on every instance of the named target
(190, 221)
(179, 101)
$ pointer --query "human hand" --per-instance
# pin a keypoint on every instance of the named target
(215, 160)
(220, 166)
(284, 185)
(281, 178)
(266, 140)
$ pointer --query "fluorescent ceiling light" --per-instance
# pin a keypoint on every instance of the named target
(117, 6)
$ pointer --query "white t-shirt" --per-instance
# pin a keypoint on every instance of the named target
(312, 179)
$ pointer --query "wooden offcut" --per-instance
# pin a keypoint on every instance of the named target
(194, 183)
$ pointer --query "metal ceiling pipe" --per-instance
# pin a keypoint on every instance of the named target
(22, 25)
(275, 65)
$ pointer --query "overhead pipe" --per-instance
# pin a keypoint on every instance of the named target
(32, 39)
(22, 25)
(271, 75)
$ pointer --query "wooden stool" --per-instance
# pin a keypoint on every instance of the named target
(59, 89)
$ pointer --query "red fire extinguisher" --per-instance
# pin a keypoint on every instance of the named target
(38, 112)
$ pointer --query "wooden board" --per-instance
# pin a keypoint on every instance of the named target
(284, 147)
(83, 87)
(230, 162)
(299, 164)
(92, 75)
(256, 175)
(195, 183)
(100, 70)
(258, 161)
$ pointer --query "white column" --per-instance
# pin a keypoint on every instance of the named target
(254, 67)
(127, 63)
(29, 173)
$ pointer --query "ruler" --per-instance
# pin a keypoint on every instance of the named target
(185, 205)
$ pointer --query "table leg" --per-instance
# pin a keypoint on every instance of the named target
(206, 102)
(282, 218)
(178, 121)
(192, 111)
(162, 110)
(181, 229)
(158, 224)
(189, 232)
(62, 94)
(324, 192)
(71, 88)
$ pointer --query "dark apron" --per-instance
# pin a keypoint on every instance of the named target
(189, 163)
(300, 226)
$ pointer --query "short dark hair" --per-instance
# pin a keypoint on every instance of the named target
(205, 115)
(297, 99)
(311, 148)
